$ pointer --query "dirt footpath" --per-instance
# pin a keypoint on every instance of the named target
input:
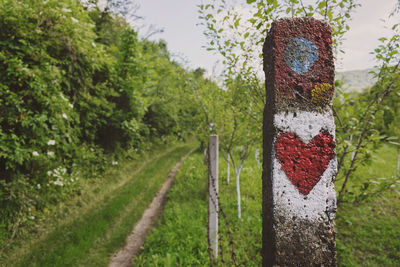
(136, 239)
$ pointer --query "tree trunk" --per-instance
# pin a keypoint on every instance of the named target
(398, 161)
(228, 173)
(238, 191)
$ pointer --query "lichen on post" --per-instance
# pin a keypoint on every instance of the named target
(299, 200)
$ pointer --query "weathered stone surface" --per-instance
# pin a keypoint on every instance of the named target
(297, 59)
(299, 201)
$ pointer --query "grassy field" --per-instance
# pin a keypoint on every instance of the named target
(367, 232)
(180, 239)
(100, 219)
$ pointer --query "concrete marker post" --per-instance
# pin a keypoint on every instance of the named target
(213, 195)
(299, 166)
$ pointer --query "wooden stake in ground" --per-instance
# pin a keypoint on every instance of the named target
(299, 201)
(213, 195)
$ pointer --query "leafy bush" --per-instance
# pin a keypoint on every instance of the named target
(78, 89)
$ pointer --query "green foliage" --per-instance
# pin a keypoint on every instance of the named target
(78, 90)
(365, 120)
(40, 58)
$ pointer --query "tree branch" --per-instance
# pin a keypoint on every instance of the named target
(365, 129)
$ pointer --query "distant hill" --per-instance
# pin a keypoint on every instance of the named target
(355, 80)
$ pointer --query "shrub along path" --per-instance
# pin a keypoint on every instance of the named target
(91, 236)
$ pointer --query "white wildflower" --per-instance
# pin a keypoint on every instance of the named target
(32, 217)
(66, 10)
(35, 153)
(93, 44)
(114, 162)
(51, 142)
(58, 182)
(38, 186)
(50, 153)
(70, 105)
(74, 20)
(65, 116)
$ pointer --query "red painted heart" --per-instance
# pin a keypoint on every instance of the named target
(304, 164)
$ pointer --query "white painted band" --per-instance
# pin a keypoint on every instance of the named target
(320, 203)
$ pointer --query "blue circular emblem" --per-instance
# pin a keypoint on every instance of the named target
(300, 54)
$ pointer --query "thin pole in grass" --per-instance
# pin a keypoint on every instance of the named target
(398, 158)
(213, 195)
(300, 164)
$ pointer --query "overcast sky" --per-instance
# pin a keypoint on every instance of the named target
(178, 19)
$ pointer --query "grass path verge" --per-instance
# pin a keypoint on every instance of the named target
(180, 236)
(135, 240)
(90, 237)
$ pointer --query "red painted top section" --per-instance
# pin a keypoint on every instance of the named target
(304, 164)
(289, 83)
